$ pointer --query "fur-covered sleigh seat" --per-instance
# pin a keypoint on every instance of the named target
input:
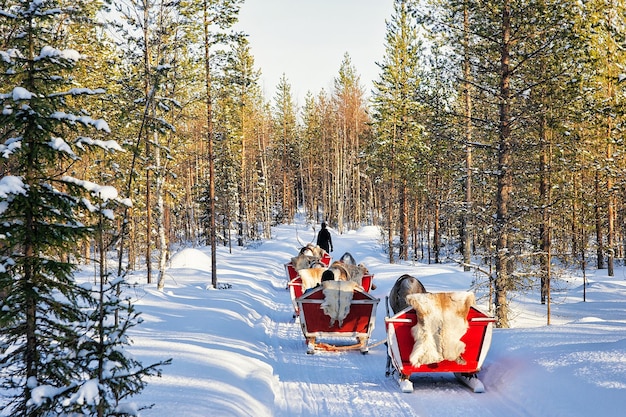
(337, 299)
(441, 322)
(311, 277)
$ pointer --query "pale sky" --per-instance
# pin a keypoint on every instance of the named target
(306, 40)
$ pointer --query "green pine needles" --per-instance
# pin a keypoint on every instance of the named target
(61, 343)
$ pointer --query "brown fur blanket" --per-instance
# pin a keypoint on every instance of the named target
(441, 322)
(311, 277)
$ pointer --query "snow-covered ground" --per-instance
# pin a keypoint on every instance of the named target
(238, 352)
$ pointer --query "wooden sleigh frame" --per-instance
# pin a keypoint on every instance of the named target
(358, 324)
(400, 344)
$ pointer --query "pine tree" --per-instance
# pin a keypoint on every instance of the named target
(352, 129)
(604, 27)
(318, 143)
(396, 111)
(110, 375)
(522, 63)
(216, 17)
(240, 93)
(311, 137)
(287, 146)
(44, 211)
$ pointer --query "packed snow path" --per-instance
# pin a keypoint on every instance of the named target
(237, 351)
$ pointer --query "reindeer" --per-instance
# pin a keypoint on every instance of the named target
(404, 286)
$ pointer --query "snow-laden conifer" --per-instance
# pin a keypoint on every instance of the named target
(60, 351)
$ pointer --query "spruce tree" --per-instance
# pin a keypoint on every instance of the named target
(110, 375)
(46, 316)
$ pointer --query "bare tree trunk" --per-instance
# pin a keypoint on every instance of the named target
(357, 176)
(285, 202)
(504, 188)
(610, 209)
(414, 230)
(427, 233)
(598, 222)
(149, 104)
(574, 218)
(243, 189)
(160, 214)
(467, 101)
(133, 250)
(86, 251)
(436, 227)
(148, 224)
(390, 222)
(209, 124)
(545, 226)
(404, 221)
(340, 173)
(265, 193)
(190, 223)
(612, 102)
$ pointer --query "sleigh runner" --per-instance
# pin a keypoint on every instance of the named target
(337, 309)
(402, 348)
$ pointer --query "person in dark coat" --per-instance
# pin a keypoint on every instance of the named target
(324, 240)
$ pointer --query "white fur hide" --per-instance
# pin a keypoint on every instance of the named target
(337, 299)
(441, 322)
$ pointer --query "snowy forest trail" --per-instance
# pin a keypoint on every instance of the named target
(237, 351)
(321, 384)
(344, 383)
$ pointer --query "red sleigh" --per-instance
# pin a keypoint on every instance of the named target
(358, 323)
(400, 344)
